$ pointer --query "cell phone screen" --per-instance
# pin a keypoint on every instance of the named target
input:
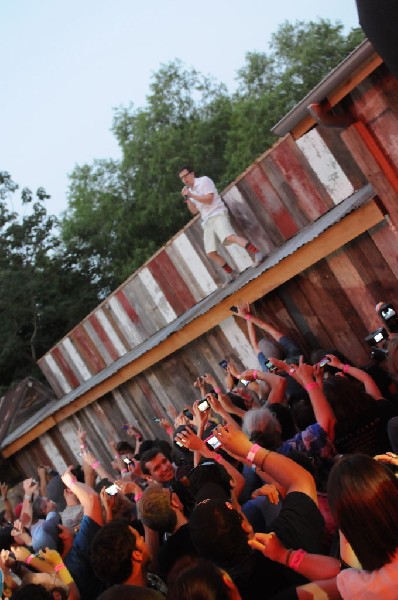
(112, 490)
(213, 442)
(203, 405)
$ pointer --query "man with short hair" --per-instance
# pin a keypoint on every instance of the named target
(201, 196)
(161, 510)
(119, 554)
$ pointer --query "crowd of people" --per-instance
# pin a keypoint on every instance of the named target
(278, 482)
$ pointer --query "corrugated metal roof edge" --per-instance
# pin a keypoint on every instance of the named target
(335, 78)
(304, 236)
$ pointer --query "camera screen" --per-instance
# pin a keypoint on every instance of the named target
(388, 312)
(112, 490)
(378, 337)
(214, 442)
(324, 361)
(223, 363)
(127, 460)
(270, 366)
(203, 405)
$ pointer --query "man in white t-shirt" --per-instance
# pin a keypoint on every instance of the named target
(202, 197)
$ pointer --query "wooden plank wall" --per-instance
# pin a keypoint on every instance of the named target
(270, 203)
(329, 305)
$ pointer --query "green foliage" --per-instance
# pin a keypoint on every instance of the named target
(42, 294)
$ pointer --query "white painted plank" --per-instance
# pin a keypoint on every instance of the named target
(110, 332)
(240, 256)
(127, 326)
(157, 295)
(52, 452)
(195, 264)
(56, 371)
(76, 359)
(69, 433)
(325, 166)
(239, 343)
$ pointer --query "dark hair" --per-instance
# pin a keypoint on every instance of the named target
(146, 457)
(197, 579)
(124, 447)
(130, 592)
(209, 471)
(347, 398)
(216, 532)
(363, 497)
(162, 446)
(111, 552)
(185, 167)
(32, 591)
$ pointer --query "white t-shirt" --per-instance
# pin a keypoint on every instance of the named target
(201, 187)
(356, 584)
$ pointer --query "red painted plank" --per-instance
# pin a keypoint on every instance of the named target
(128, 309)
(266, 194)
(172, 284)
(65, 368)
(87, 349)
(99, 330)
(299, 176)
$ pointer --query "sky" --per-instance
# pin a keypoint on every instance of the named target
(66, 65)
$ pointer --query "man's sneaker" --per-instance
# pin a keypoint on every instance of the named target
(259, 258)
(229, 278)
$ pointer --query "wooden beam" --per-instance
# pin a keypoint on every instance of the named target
(339, 93)
(327, 242)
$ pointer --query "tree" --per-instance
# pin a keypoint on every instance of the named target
(271, 84)
(42, 293)
(120, 213)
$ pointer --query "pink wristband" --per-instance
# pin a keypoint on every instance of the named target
(59, 567)
(217, 458)
(255, 374)
(83, 447)
(124, 471)
(169, 430)
(248, 317)
(95, 464)
(218, 390)
(29, 559)
(311, 386)
(252, 452)
(346, 368)
(296, 558)
(137, 497)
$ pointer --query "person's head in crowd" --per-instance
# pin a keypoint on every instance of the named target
(119, 554)
(161, 445)
(32, 591)
(199, 579)
(302, 411)
(392, 358)
(41, 506)
(59, 593)
(363, 497)
(6, 539)
(285, 419)
(217, 533)
(160, 508)
(209, 472)
(155, 465)
(328, 371)
(262, 427)
(125, 449)
(130, 592)
(347, 398)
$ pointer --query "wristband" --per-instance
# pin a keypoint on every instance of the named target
(252, 452)
(218, 390)
(83, 447)
(29, 559)
(346, 368)
(311, 386)
(28, 497)
(296, 558)
(255, 374)
(59, 567)
(124, 471)
(95, 464)
(217, 458)
(248, 317)
(169, 430)
(265, 458)
(137, 497)
(117, 456)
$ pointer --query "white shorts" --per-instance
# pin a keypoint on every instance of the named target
(216, 230)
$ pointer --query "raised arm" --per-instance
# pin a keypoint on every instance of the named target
(87, 497)
(277, 384)
(288, 473)
(368, 382)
